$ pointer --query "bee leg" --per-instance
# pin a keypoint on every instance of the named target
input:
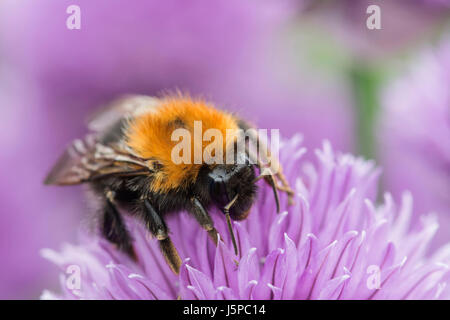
(270, 177)
(285, 186)
(113, 228)
(204, 219)
(159, 229)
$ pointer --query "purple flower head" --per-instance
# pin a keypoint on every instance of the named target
(334, 243)
(414, 133)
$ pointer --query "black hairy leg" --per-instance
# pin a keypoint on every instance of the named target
(204, 219)
(156, 225)
(113, 227)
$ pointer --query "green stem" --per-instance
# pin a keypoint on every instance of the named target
(365, 82)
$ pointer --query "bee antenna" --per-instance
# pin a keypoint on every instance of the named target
(226, 209)
(275, 192)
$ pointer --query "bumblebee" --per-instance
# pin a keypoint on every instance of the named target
(127, 161)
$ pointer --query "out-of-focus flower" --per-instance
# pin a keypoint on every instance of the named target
(332, 244)
(145, 46)
(445, 3)
(404, 24)
(415, 132)
(30, 216)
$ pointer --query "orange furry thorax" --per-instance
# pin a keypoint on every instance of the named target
(149, 135)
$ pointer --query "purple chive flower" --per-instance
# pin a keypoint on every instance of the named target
(334, 243)
(414, 135)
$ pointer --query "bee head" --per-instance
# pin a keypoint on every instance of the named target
(226, 181)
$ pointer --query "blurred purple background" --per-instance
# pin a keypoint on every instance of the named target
(283, 64)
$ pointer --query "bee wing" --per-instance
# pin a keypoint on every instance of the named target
(128, 105)
(88, 160)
